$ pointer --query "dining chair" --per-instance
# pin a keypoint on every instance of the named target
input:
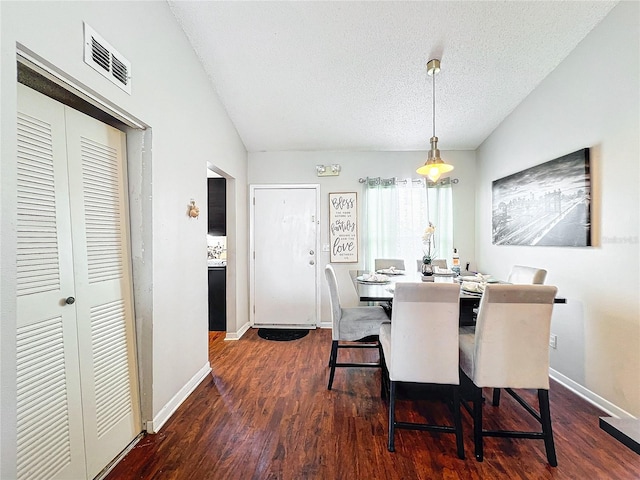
(420, 346)
(384, 263)
(527, 275)
(521, 275)
(439, 262)
(352, 324)
(510, 349)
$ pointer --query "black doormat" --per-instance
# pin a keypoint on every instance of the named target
(282, 334)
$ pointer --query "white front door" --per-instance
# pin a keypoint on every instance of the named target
(284, 241)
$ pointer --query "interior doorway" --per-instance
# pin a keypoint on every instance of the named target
(40, 75)
(217, 250)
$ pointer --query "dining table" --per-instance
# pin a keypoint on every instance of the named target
(383, 291)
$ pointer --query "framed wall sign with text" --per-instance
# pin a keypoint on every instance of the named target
(343, 227)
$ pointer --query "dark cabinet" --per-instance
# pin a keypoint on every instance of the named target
(217, 206)
(217, 299)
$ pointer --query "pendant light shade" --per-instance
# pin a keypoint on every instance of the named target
(434, 167)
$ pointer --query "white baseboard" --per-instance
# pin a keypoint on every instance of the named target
(238, 335)
(173, 404)
(325, 325)
(589, 396)
(293, 326)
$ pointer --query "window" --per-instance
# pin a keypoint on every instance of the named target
(396, 213)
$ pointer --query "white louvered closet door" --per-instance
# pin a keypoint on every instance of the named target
(101, 385)
(50, 429)
(104, 303)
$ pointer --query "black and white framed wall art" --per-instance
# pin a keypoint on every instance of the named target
(549, 204)
(343, 227)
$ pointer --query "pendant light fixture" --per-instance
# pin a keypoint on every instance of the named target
(434, 167)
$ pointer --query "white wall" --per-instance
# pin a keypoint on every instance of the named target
(590, 100)
(171, 94)
(299, 167)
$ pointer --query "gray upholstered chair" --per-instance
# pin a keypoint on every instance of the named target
(510, 349)
(384, 263)
(350, 325)
(522, 275)
(420, 345)
(438, 262)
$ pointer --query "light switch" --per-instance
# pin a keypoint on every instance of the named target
(325, 247)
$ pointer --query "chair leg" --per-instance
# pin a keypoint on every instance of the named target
(392, 415)
(477, 423)
(384, 377)
(457, 421)
(333, 359)
(545, 417)
(496, 397)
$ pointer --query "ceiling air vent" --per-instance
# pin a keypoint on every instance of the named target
(106, 60)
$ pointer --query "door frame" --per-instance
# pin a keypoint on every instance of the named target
(137, 169)
(98, 450)
(252, 273)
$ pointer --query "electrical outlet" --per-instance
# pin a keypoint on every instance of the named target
(553, 341)
(325, 247)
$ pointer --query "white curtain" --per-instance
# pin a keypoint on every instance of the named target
(396, 213)
(440, 201)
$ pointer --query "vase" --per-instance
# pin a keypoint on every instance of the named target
(427, 269)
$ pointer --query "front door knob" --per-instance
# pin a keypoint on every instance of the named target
(70, 300)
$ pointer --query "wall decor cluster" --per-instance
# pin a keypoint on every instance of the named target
(343, 227)
(194, 210)
(549, 204)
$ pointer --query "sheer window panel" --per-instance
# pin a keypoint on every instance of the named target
(396, 215)
(440, 200)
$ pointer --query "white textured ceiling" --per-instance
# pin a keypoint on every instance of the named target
(352, 75)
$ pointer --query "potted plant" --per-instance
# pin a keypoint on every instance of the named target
(428, 249)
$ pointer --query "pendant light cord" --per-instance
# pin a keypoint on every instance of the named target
(434, 103)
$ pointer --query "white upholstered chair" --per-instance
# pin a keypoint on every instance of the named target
(420, 345)
(522, 275)
(510, 350)
(350, 325)
(384, 263)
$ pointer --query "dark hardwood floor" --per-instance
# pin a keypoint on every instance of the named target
(266, 413)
